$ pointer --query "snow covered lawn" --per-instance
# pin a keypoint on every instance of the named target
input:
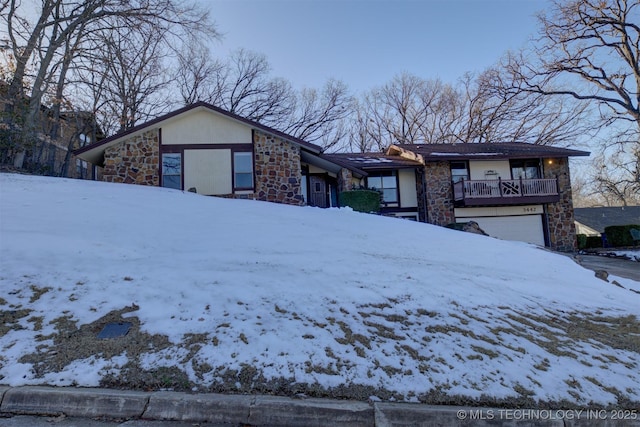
(242, 296)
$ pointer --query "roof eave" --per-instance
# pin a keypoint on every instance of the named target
(114, 139)
(346, 165)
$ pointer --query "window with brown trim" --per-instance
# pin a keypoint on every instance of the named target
(386, 183)
(525, 169)
(242, 170)
(172, 170)
(459, 171)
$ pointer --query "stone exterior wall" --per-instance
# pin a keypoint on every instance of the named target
(278, 174)
(421, 194)
(134, 161)
(345, 180)
(438, 192)
(560, 219)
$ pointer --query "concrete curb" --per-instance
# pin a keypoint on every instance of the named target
(416, 415)
(3, 389)
(259, 410)
(75, 402)
(213, 408)
(277, 411)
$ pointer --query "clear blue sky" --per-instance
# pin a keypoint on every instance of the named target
(366, 42)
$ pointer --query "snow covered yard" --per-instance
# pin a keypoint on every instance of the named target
(244, 296)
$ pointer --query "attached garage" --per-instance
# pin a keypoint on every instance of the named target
(522, 224)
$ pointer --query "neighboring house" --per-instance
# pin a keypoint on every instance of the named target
(514, 191)
(50, 152)
(597, 219)
(586, 230)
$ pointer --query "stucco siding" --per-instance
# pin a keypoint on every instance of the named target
(478, 169)
(208, 171)
(316, 169)
(205, 127)
(408, 194)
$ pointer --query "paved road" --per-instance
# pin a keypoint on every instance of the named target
(614, 266)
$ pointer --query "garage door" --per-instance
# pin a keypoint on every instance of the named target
(525, 228)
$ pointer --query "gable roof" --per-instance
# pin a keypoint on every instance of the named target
(94, 153)
(485, 151)
(600, 218)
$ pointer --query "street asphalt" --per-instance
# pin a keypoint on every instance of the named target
(616, 266)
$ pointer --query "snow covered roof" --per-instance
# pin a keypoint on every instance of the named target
(372, 161)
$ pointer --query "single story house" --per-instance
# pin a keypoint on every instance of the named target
(514, 191)
(593, 221)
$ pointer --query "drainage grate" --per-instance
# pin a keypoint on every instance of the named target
(115, 330)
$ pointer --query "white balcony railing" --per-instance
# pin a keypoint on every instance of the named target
(504, 188)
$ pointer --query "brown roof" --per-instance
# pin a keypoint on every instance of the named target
(372, 161)
(309, 146)
(503, 150)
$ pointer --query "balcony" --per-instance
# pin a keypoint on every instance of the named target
(505, 192)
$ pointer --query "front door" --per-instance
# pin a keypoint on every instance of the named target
(317, 191)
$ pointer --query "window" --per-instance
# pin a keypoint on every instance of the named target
(459, 171)
(387, 184)
(172, 170)
(243, 170)
(81, 168)
(525, 169)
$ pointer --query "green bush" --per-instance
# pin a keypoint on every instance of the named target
(593, 242)
(619, 235)
(582, 241)
(361, 200)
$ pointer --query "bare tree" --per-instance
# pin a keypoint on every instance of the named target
(484, 108)
(616, 176)
(196, 73)
(589, 50)
(243, 85)
(134, 77)
(37, 37)
(407, 110)
(320, 116)
(494, 112)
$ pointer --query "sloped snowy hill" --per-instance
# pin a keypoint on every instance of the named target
(325, 298)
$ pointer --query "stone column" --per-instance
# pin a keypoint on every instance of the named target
(439, 193)
(278, 170)
(345, 180)
(560, 219)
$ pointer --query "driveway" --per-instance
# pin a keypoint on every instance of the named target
(615, 266)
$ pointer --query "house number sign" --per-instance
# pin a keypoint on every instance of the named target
(531, 209)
